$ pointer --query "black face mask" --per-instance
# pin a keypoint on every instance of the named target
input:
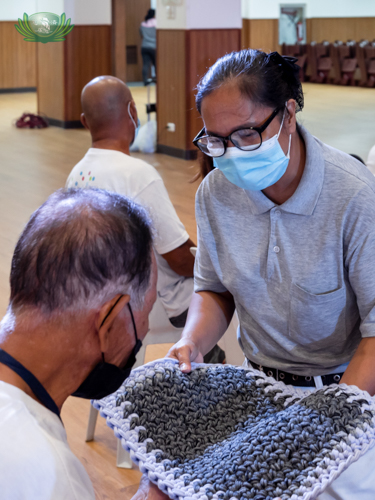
(106, 378)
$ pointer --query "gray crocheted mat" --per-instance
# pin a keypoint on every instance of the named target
(223, 432)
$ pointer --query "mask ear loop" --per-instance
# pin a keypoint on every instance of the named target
(290, 135)
(290, 140)
(132, 119)
(282, 123)
(132, 316)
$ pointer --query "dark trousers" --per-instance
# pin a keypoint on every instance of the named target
(149, 59)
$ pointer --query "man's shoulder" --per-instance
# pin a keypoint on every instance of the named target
(33, 444)
(109, 159)
(107, 168)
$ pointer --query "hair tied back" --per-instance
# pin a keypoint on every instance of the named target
(286, 62)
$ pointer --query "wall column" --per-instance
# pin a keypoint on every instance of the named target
(191, 36)
(63, 68)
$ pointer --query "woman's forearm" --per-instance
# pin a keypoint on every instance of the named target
(360, 371)
(209, 316)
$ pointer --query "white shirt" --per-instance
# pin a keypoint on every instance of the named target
(123, 174)
(35, 459)
(370, 164)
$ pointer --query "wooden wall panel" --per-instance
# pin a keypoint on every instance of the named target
(263, 33)
(245, 34)
(17, 58)
(87, 55)
(50, 79)
(331, 29)
(171, 87)
(204, 47)
(308, 30)
(135, 14)
(118, 39)
(260, 34)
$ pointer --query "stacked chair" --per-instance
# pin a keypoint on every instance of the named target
(338, 63)
(365, 52)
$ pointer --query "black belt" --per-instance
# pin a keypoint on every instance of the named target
(299, 380)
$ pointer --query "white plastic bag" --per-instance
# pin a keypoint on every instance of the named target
(145, 142)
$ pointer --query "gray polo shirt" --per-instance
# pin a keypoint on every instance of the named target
(302, 274)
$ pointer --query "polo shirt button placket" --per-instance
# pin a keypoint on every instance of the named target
(273, 248)
(276, 214)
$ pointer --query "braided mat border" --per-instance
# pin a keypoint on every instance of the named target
(166, 474)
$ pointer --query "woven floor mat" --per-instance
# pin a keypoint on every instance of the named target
(224, 432)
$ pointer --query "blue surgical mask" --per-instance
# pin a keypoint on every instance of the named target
(136, 126)
(255, 170)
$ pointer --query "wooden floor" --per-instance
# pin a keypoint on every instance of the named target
(34, 163)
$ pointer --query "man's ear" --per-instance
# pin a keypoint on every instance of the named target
(107, 315)
(83, 121)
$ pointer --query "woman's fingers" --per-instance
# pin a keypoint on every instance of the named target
(184, 356)
(185, 351)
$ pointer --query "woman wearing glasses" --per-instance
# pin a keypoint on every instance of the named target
(286, 233)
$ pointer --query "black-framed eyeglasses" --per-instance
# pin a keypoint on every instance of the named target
(246, 139)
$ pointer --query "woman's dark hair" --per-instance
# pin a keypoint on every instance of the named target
(205, 164)
(267, 79)
(150, 14)
(357, 158)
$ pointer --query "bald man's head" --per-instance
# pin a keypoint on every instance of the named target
(105, 105)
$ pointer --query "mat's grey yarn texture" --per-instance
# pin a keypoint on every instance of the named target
(223, 432)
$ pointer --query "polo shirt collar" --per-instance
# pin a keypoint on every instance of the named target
(306, 196)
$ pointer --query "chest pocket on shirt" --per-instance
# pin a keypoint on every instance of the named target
(317, 319)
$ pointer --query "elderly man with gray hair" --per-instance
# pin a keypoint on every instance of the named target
(83, 282)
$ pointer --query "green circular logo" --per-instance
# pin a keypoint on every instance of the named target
(44, 27)
(44, 24)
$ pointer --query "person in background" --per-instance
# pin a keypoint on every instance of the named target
(148, 45)
(109, 113)
(83, 282)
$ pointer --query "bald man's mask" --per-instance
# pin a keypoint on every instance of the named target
(136, 127)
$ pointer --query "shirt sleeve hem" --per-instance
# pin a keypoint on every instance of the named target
(209, 287)
(367, 331)
(172, 246)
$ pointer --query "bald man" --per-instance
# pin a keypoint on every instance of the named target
(110, 114)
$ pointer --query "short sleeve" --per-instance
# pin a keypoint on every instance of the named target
(170, 233)
(359, 258)
(205, 275)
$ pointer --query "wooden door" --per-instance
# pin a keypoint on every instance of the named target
(136, 11)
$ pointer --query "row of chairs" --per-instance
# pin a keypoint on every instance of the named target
(339, 63)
